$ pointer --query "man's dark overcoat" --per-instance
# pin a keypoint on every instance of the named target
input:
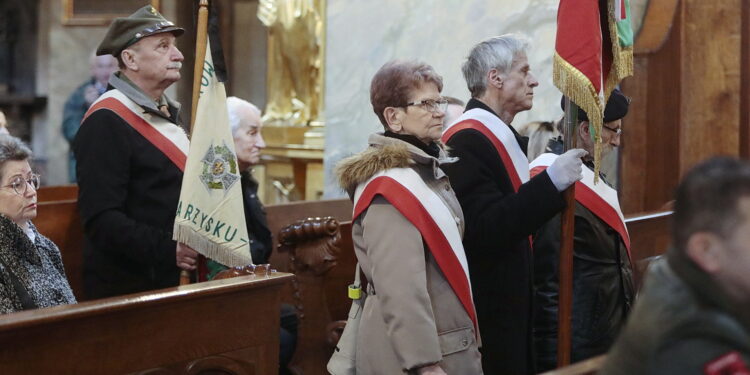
(683, 323)
(499, 221)
(128, 194)
(603, 290)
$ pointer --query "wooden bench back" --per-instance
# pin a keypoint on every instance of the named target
(59, 221)
(650, 236)
(590, 366)
(322, 257)
(57, 193)
(281, 215)
(219, 327)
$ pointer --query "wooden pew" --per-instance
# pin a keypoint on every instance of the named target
(57, 193)
(320, 253)
(281, 215)
(59, 221)
(650, 236)
(588, 367)
(219, 327)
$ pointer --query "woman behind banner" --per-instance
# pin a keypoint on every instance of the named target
(418, 316)
(31, 269)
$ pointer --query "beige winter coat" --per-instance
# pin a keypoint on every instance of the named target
(412, 317)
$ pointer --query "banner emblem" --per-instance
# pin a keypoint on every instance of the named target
(219, 168)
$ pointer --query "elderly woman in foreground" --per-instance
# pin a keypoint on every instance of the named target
(31, 269)
(418, 315)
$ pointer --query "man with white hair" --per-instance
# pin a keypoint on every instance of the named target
(101, 68)
(244, 119)
(503, 207)
(131, 154)
(246, 124)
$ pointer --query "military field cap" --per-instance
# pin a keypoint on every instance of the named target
(617, 107)
(126, 31)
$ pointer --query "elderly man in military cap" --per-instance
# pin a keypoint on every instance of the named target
(602, 275)
(131, 154)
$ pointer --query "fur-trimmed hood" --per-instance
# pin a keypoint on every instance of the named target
(384, 153)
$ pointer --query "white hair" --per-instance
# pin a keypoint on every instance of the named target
(494, 53)
(234, 105)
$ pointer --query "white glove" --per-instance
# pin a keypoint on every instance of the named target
(566, 169)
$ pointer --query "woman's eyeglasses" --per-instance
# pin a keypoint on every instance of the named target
(431, 104)
(20, 184)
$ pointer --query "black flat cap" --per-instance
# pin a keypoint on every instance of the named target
(617, 107)
(126, 31)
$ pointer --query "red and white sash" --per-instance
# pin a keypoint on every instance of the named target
(502, 138)
(597, 198)
(406, 191)
(169, 138)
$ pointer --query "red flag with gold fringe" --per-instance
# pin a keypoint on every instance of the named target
(593, 53)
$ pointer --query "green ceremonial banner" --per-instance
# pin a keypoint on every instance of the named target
(210, 214)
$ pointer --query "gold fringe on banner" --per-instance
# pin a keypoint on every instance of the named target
(576, 86)
(210, 249)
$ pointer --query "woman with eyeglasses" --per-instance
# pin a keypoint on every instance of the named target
(418, 315)
(31, 269)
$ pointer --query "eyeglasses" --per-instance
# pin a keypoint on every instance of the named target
(617, 131)
(20, 184)
(431, 104)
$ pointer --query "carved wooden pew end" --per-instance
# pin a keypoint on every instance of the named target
(314, 247)
(320, 238)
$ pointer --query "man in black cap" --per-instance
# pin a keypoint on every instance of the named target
(131, 155)
(603, 288)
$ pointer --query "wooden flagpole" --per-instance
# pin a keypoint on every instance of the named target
(565, 272)
(201, 39)
(200, 55)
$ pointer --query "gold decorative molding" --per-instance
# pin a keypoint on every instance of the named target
(99, 12)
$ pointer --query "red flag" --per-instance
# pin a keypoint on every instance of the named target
(590, 57)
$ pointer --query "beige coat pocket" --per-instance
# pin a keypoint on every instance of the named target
(456, 340)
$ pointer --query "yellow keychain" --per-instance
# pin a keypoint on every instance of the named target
(355, 292)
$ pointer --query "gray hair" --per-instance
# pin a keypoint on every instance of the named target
(12, 149)
(494, 53)
(233, 107)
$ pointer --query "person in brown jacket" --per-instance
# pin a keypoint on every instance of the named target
(419, 315)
